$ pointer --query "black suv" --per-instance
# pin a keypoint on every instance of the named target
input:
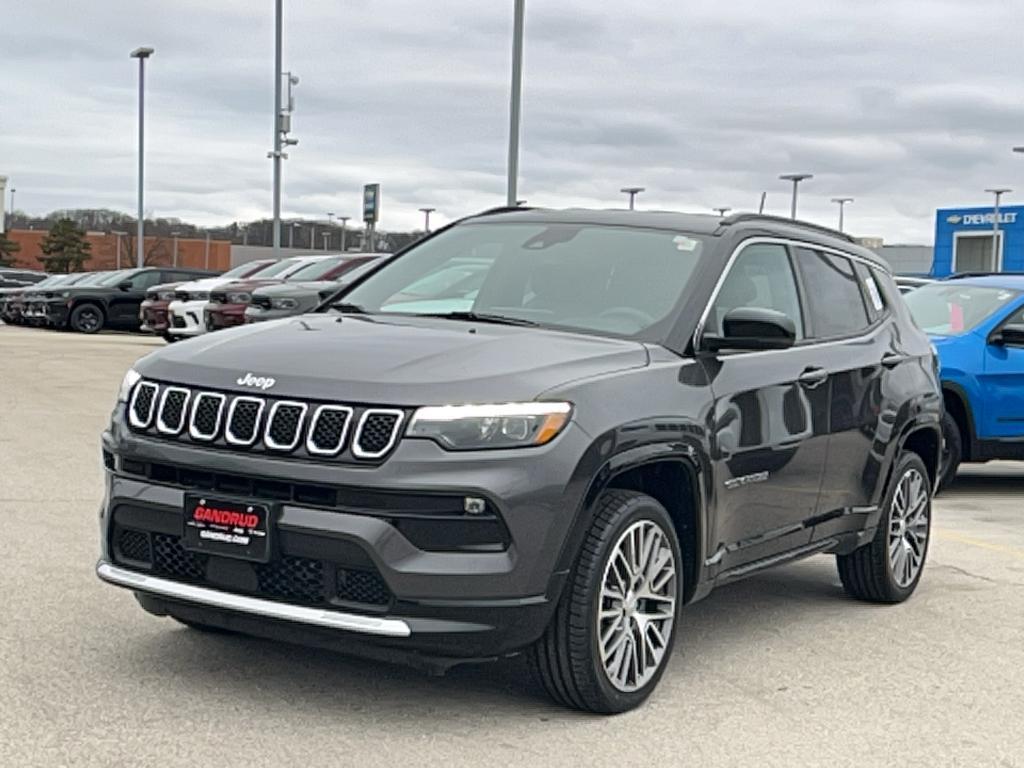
(626, 411)
(110, 302)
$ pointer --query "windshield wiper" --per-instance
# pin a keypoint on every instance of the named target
(481, 317)
(348, 309)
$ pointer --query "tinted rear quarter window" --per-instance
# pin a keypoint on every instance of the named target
(835, 302)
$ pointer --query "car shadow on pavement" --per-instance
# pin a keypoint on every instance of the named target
(970, 485)
(321, 682)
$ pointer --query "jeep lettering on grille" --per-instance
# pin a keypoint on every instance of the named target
(259, 382)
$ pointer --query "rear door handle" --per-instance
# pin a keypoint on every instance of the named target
(892, 359)
(812, 377)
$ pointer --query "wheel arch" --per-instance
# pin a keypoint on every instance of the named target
(958, 405)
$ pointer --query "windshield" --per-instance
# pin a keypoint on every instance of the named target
(948, 309)
(244, 270)
(275, 269)
(601, 279)
(112, 278)
(317, 269)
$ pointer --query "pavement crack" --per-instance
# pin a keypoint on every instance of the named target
(965, 572)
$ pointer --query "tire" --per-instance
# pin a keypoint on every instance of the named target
(952, 451)
(871, 573)
(86, 318)
(170, 338)
(567, 660)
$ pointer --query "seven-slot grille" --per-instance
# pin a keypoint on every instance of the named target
(270, 425)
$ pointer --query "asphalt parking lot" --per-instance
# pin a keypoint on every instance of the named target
(781, 669)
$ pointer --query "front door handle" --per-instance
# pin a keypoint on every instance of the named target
(812, 377)
(892, 359)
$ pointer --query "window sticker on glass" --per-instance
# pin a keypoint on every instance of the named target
(684, 243)
(876, 297)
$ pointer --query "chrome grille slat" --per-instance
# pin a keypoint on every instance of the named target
(285, 419)
(237, 418)
(201, 416)
(147, 392)
(318, 441)
(173, 403)
(372, 439)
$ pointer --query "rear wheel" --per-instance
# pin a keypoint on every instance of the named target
(611, 636)
(952, 450)
(86, 318)
(889, 568)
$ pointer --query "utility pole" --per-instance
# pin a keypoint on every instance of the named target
(515, 102)
(174, 258)
(841, 202)
(207, 259)
(632, 192)
(344, 222)
(999, 192)
(796, 178)
(141, 54)
(426, 219)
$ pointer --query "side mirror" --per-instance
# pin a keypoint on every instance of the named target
(1011, 335)
(753, 328)
(125, 285)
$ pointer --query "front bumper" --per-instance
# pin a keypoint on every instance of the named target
(186, 318)
(218, 316)
(455, 605)
(154, 319)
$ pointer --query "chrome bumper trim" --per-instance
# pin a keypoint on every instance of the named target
(350, 622)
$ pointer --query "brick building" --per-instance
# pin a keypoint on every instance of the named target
(159, 251)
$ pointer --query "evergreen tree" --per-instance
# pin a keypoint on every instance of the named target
(7, 250)
(65, 248)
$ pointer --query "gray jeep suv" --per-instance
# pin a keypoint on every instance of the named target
(534, 431)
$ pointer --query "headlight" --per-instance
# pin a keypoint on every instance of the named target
(199, 296)
(238, 298)
(505, 425)
(131, 378)
(284, 303)
(65, 294)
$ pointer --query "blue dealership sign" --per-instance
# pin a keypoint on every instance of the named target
(963, 240)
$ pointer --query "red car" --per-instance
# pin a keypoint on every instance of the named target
(153, 310)
(228, 304)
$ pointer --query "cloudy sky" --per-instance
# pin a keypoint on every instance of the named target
(905, 105)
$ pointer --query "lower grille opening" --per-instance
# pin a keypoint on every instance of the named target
(288, 578)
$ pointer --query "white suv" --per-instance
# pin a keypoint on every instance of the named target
(185, 313)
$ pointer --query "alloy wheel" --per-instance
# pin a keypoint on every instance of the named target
(88, 320)
(637, 606)
(908, 527)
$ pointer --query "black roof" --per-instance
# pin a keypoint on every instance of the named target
(694, 223)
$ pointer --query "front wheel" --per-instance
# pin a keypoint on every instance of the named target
(611, 636)
(889, 568)
(86, 318)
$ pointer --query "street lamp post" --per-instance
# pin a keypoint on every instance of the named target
(206, 260)
(291, 233)
(796, 178)
(344, 222)
(998, 192)
(841, 202)
(312, 237)
(722, 211)
(175, 257)
(426, 218)
(141, 54)
(515, 102)
(13, 190)
(632, 192)
(327, 237)
(119, 236)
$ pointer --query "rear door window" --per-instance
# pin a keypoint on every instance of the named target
(835, 301)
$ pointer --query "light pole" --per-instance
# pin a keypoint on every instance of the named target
(13, 190)
(291, 233)
(515, 102)
(119, 236)
(344, 222)
(722, 211)
(312, 237)
(206, 261)
(841, 202)
(327, 237)
(426, 218)
(141, 54)
(282, 122)
(330, 218)
(998, 192)
(175, 257)
(796, 178)
(632, 192)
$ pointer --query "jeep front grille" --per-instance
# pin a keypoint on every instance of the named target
(268, 425)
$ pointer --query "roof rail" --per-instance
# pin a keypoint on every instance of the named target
(742, 217)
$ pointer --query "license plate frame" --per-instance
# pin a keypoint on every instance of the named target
(235, 528)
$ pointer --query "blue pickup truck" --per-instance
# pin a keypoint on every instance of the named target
(977, 325)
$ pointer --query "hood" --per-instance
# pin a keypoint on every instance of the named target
(396, 361)
(206, 284)
(247, 284)
(308, 288)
